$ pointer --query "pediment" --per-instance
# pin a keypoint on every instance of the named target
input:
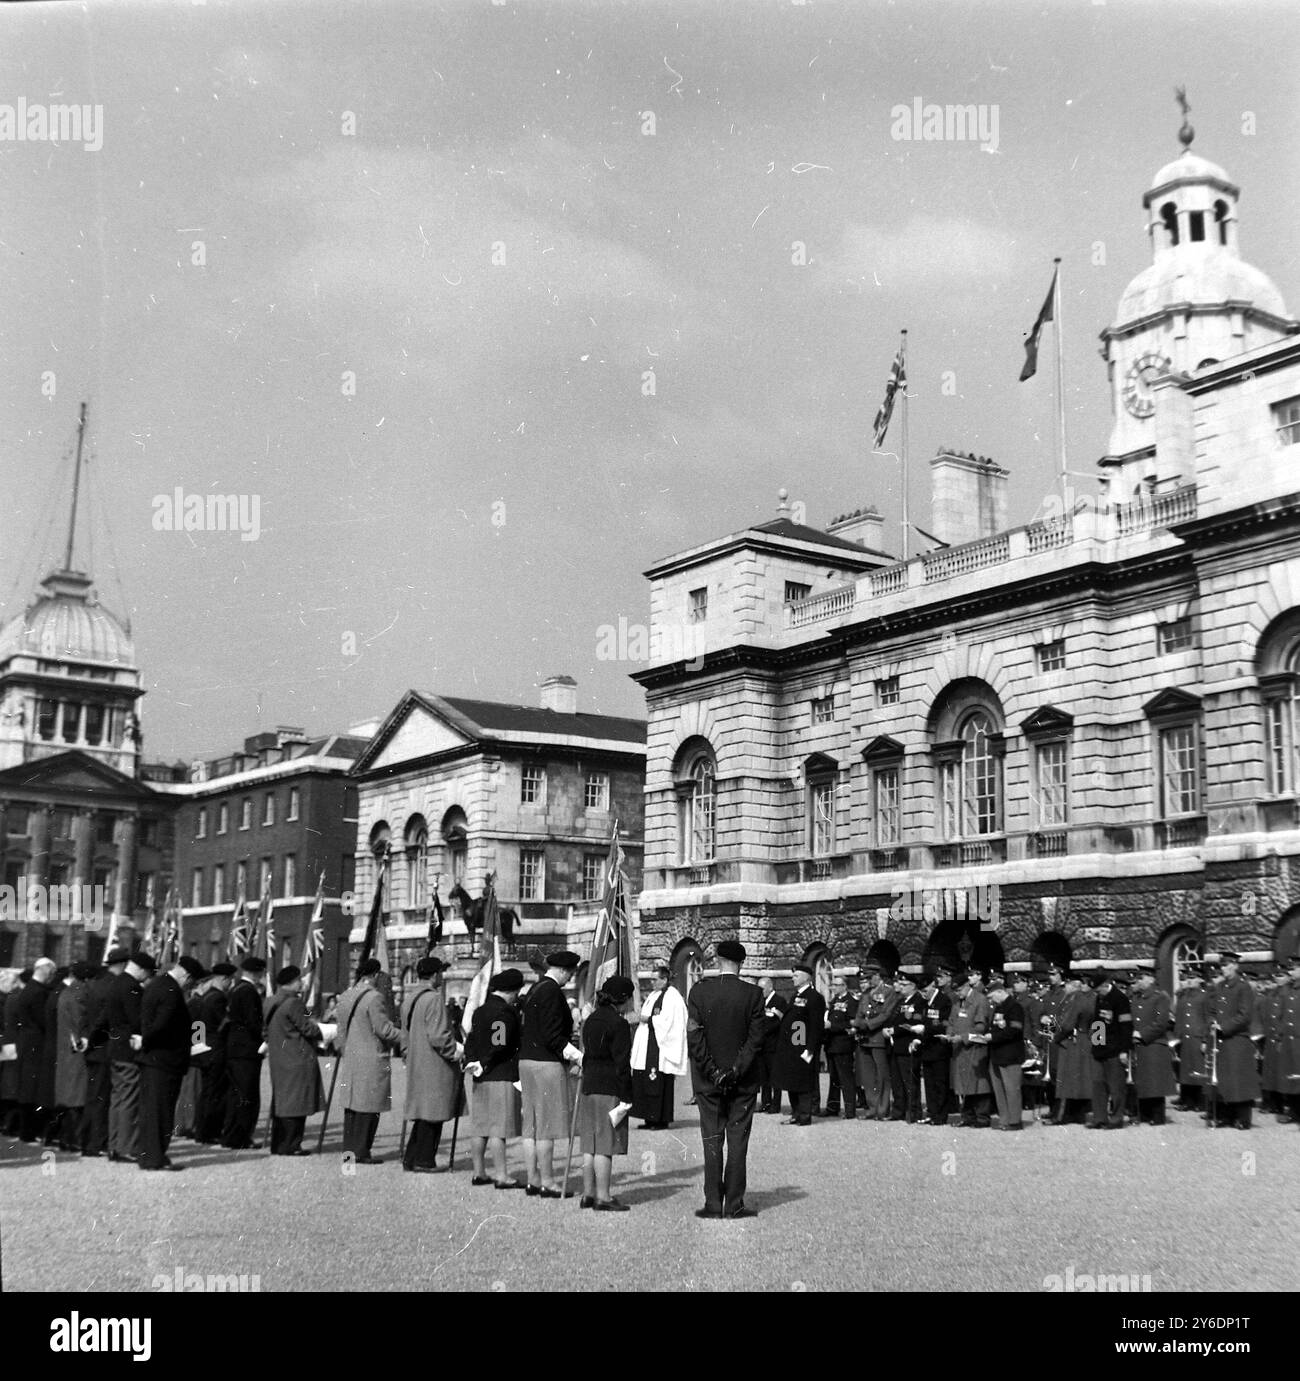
(414, 730)
(72, 772)
(1172, 702)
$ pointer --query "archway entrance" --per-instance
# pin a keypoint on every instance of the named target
(686, 965)
(818, 956)
(1051, 947)
(1178, 953)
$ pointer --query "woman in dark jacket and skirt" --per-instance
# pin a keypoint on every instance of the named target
(606, 1096)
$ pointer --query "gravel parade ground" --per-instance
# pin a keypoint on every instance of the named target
(866, 1206)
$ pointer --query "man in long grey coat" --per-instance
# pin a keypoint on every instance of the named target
(365, 1077)
(291, 1037)
(433, 1083)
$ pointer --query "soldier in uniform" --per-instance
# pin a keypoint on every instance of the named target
(1153, 1064)
(724, 1032)
(94, 1124)
(799, 1044)
(905, 1057)
(1268, 1010)
(774, 1006)
(1110, 1036)
(1231, 1011)
(935, 1052)
(1288, 1034)
(968, 1028)
(210, 1016)
(1192, 1028)
(1047, 1027)
(1073, 1062)
(840, 1045)
(243, 1050)
(875, 1016)
(491, 1073)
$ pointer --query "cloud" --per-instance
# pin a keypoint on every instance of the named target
(924, 250)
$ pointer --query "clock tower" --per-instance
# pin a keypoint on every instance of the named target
(1198, 303)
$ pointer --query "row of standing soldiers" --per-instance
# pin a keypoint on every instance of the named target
(1090, 1048)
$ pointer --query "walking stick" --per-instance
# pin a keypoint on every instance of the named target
(401, 1145)
(1211, 1110)
(573, 1126)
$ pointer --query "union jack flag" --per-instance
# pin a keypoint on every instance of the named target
(897, 379)
(313, 946)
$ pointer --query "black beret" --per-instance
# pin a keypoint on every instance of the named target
(287, 975)
(252, 964)
(190, 965)
(369, 966)
(223, 970)
(82, 969)
(507, 981)
(731, 950)
(144, 961)
(428, 966)
(117, 956)
(563, 959)
(618, 988)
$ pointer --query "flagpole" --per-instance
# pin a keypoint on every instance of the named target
(1060, 390)
(906, 525)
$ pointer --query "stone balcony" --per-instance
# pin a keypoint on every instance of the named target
(1080, 536)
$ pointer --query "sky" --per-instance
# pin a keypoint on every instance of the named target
(397, 271)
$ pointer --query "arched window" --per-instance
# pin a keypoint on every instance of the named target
(1169, 216)
(820, 772)
(417, 863)
(968, 752)
(455, 839)
(686, 966)
(697, 798)
(1277, 664)
(380, 839)
(1221, 220)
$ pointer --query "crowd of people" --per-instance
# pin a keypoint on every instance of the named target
(118, 1060)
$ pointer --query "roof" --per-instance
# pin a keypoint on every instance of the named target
(66, 621)
(801, 532)
(491, 716)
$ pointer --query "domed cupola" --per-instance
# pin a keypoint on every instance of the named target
(1197, 303)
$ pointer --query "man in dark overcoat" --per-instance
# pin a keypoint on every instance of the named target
(433, 1055)
(291, 1037)
(1153, 1061)
(799, 1047)
(164, 1057)
(1231, 1012)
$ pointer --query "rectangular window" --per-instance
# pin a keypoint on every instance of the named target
(46, 715)
(532, 786)
(1286, 419)
(71, 721)
(887, 690)
(94, 724)
(1052, 762)
(196, 888)
(822, 806)
(1051, 656)
(1275, 717)
(795, 590)
(1176, 635)
(293, 803)
(218, 883)
(267, 874)
(595, 795)
(104, 827)
(532, 875)
(823, 709)
(223, 818)
(61, 824)
(948, 798)
(18, 820)
(201, 823)
(699, 605)
(290, 875)
(886, 806)
(593, 877)
(268, 809)
(241, 878)
(245, 812)
(1179, 769)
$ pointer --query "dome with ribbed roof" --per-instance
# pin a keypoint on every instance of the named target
(67, 622)
(1190, 165)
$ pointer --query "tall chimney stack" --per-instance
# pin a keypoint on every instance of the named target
(969, 497)
(560, 693)
(864, 526)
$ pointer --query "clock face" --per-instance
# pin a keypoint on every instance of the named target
(1137, 382)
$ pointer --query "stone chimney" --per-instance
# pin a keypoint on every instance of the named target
(969, 497)
(864, 526)
(560, 693)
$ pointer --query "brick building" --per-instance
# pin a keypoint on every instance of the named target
(451, 789)
(1077, 737)
(269, 821)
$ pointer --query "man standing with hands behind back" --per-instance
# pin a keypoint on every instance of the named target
(724, 1034)
(799, 1047)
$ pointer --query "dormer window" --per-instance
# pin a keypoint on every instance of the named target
(1169, 215)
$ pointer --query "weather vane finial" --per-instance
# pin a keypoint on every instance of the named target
(1186, 134)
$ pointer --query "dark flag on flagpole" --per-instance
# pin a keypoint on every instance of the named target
(436, 920)
(897, 379)
(376, 942)
(1046, 314)
(478, 988)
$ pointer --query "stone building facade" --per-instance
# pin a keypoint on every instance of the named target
(452, 789)
(1075, 738)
